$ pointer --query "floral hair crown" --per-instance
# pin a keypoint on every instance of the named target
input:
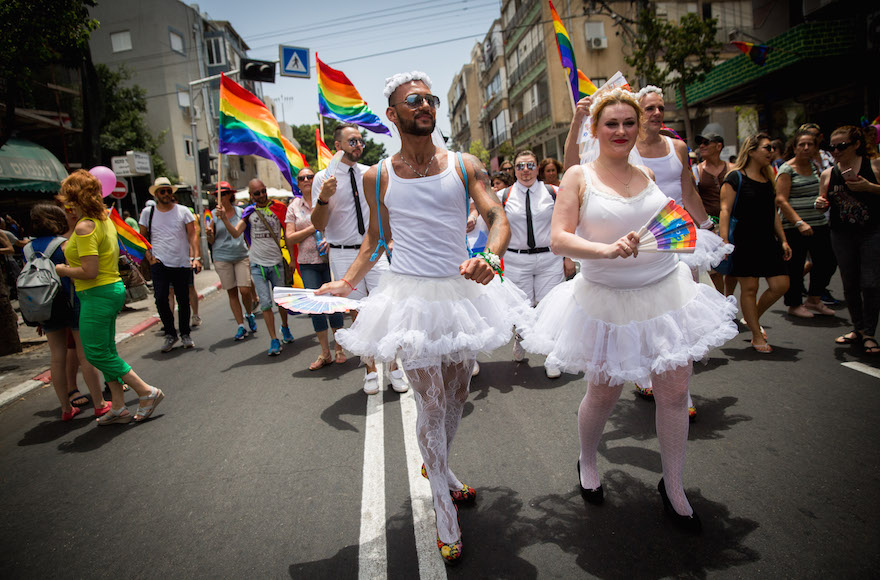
(648, 89)
(606, 95)
(392, 82)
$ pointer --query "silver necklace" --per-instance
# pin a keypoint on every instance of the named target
(416, 171)
(625, 184)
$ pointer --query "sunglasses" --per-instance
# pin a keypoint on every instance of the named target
(415, 101)
(226, 192)
(259, 192)
(354, 142)
(530, 166)
(766, 148)
(841, 146)
(305, 177)
(506, 167)
(164, 190)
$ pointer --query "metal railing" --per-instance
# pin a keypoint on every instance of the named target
(530, 118)
(525, 65)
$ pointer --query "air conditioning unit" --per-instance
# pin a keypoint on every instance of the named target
(598, 42)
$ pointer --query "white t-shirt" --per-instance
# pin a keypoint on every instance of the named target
(168, 234)
(342, 226)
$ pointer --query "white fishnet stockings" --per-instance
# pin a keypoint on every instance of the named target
(671, 415)
(592, 415)
(440, 393)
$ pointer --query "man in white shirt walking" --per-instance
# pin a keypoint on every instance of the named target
(170, 228)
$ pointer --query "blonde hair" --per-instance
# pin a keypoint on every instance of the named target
(617, 96)
(742, 159)
(83, 190)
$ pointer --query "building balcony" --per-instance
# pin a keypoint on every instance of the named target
(496, 140)
(526, 65)
(537, 114)
(525, 13)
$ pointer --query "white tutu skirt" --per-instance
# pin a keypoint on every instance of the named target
(616, 335)
(708, 253)
(429, 321)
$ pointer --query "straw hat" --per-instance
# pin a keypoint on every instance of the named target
(162, 182)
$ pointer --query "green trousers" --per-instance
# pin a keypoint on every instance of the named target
(99, 307)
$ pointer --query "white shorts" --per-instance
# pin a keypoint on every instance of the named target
(534, 274)
(234, 274)
(342, 259)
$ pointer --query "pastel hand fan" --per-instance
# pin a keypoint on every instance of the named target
(671, 230)
(305, 301)
(333, 164)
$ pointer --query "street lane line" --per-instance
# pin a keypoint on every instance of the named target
(372, 553)
(863, 368)
(431, 565)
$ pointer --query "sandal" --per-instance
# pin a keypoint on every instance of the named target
(762, 348)
(321, 362)
(340, 356)
(114, 416)
(69, 415)
(851, 337)
(102, 410)
(870, 349)
(143, 413)
(78, 400)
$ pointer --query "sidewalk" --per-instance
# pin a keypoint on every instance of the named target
(27, 371)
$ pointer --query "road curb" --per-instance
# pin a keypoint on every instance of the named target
(44, 377)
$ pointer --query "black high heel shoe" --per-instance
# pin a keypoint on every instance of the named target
(593, 496)
(690, 524)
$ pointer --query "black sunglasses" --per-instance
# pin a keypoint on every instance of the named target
(415, 101)
(259, 191)
(841, 146)
(529, 165)
(354, 142)
(227, 192)
(305, 177)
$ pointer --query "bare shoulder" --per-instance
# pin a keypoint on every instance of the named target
(647, 171)
(875, 165)
(85, 227)
(680, 146)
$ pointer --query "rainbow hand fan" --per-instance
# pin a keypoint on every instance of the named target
(671, 230)
(304, 301)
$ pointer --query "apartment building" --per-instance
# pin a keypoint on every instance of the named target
(464, 105)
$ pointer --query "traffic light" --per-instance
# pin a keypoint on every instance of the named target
(205, 168)
(257, 70)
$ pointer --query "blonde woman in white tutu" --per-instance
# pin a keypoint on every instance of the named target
(437, 307)
(627, 316)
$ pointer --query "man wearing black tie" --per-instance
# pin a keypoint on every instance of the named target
(529, 263)
(341, 212)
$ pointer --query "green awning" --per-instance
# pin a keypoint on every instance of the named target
(25, 166)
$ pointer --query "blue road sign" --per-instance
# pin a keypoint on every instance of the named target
(294, 61)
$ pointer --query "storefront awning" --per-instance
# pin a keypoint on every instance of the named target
(25, 166)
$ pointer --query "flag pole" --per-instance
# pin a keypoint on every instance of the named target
(321, 123)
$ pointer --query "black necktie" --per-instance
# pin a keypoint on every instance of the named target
(357, 201)
(530, 231)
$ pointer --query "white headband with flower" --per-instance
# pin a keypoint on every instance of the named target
(613, 93)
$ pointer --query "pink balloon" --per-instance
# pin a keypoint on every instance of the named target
(107, 178)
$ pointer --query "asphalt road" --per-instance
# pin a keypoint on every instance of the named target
(253, 467)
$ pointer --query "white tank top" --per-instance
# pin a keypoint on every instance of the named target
(667, 170)
(606, 217)
(428, 220)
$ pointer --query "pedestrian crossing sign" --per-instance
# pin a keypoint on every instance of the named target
(294, 61)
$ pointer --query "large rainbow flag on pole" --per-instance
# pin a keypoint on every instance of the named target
(247, 127)
(130, 241)
(566, 53)
(338, 99)
(324, 154)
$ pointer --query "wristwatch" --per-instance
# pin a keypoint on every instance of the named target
(322, 202)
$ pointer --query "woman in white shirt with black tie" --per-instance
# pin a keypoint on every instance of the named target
(528, 262)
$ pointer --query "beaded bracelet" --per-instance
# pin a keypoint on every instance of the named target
(494, 262)
(349, 284)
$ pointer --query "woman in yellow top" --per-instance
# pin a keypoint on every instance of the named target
(93, 255)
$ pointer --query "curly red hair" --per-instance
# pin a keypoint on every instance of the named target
(83, 190)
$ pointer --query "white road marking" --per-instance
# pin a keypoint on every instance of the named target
(431, 565)
(863, 368)
(373, 554)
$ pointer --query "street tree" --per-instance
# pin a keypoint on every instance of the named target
(477, 150)
(305, 136)
(688, 50)
(123, 126)
(36, 34)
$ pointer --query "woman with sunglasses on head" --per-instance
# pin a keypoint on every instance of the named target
(806, 228)
(748, 200)
(314, 265)
(529, 263)
(628, 316)
(232, 263)
(93, 257)
(850, 188)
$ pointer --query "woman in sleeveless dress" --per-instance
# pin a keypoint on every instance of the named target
(626, 316)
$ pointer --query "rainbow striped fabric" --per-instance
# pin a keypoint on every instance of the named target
(585, 86)
(247, 127)
(130, 241)
(324, 154)
(566, 53)
(338, 99)
(756, 52)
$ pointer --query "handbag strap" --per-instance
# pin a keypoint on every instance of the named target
(271, 231)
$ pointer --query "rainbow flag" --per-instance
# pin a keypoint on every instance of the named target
(566, 54)
(338, 99)
(130, 241)
(247, 127)
(756, 52)
(324, 154)
(585, 85)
